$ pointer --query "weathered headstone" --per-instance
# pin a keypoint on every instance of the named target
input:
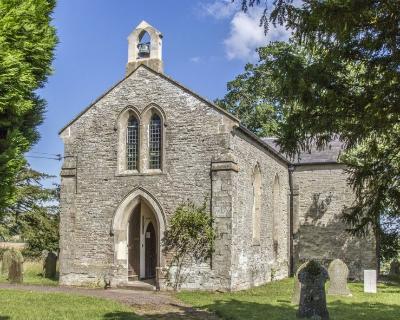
(15, 269)
(50, 265)
(312, 295)
(338, 274)
(370, 281)
(6, 261)
(394, 268)
(297, 285)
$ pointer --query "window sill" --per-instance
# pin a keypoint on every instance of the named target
(150, 172)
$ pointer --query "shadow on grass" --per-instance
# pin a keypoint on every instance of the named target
(4, 317)
(56, 276)
(236, 310)
(179, 313)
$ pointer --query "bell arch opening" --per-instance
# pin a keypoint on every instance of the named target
(144, 45)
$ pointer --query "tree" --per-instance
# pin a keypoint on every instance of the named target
(189, 238)
(27, 42)
(34, 214)
(248, 99)
(339, 78)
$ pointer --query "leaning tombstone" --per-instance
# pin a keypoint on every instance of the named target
(297, 285)
(50, 265)
(394, 268)
(370, 281)
(338, 274)
(312, 295)
(15, 269)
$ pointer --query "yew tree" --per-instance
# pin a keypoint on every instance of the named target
(338, 77)
(27, 42)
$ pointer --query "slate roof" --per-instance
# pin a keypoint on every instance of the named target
(329, 154)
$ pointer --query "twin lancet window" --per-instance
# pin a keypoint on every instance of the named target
(132, 144)
(132, 149)
(155, 142)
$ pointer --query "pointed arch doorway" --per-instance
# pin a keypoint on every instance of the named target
(137, 227)
(142, 243)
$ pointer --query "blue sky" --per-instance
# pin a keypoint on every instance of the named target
(205, 45)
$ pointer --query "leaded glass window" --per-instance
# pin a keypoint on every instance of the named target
(155, 142)
(132, 144)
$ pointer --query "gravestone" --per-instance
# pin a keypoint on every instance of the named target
(338, 274)
(297, 285)
(312, 295)
(370, 281)
(50, 265)
(6, 261)
(394, 268)
(15, 269)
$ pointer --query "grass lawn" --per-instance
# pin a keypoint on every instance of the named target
(272, 302)
(33, 275)
(25, 305)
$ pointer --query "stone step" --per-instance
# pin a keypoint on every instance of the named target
(133, 277)
(138, 286)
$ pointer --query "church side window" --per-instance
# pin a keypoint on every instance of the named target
(155, 137)
(132, 144)
(276, 215)
(256, 210)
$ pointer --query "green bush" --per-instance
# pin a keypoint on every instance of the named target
(189, 238)
(40, 232)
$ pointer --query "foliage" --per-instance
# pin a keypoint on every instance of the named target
(27, 42)
(339, 77)
(248, 100)
(189, 238)
(34, 214)
(272, 302)
(374, 174)
(40, 231)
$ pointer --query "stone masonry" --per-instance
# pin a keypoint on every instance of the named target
(321, 193)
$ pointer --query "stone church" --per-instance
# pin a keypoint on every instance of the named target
(149, 144)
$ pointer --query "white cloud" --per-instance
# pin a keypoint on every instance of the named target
(220, 9)
(246, 35)
(194, 59)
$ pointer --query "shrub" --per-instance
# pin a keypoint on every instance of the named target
(189, 238)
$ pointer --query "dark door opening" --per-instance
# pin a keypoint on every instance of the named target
(134, 245)
(150, 252)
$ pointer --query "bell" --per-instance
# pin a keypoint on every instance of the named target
(144, 49)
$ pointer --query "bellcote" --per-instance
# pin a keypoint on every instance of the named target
(145, 47)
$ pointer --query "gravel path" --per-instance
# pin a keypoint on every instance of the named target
(149, 304)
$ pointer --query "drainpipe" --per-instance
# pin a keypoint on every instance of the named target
(291, 259)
